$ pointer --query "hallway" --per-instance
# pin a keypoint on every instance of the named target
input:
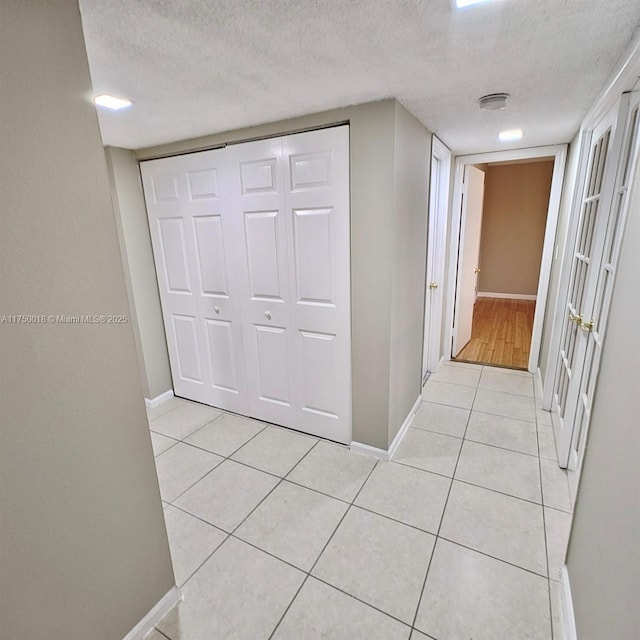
(501, 333)
(275, 534)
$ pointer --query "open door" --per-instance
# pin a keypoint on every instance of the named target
(468, 256)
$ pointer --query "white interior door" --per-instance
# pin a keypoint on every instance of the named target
(593, 209)
(590, 311)
(316, 170)
(189, 207)
(436, 245)
(469, 256)
(252, 251)
(261, 250)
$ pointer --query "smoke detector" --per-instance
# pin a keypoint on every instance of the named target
(493, 101)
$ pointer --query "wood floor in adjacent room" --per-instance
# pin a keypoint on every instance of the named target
(501, 333)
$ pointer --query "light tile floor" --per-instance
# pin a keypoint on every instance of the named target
(275, 534)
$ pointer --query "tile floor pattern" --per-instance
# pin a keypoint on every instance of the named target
(275, 534)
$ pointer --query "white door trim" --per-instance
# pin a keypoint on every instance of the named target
(559, 153)
(437, 220)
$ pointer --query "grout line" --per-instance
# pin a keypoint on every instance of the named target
(569, 513)
(497, 446)
(280, 481)
(193, 573)
(222, 461)
(488, 555)
(368, 604)
(197, 517)
(313, 566)
(444, 510)
(499, 415)
(351, 504)
(502, 493)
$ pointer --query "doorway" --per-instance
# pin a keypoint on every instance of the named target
(505, 212)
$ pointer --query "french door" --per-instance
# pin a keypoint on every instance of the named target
(251, 244)
(603, 208)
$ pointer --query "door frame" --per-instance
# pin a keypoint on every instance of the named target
(437, 223)
(559, 154)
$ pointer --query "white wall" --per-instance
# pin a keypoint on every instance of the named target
(140, 274)
(83, 547)
(603, 558)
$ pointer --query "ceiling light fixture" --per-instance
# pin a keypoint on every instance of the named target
(510, 135)
(493, 101)
(461, 4)
(111, 102)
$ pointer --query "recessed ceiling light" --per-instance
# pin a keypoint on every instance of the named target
(111, 102)
(509, 136)
(461, 4)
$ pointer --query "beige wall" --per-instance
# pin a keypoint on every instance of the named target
(372, 140)
(140, 274)
(564, 215)
(604, 556)
(83, 547)
(412, 154)
(516, 200)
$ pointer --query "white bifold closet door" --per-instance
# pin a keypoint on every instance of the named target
(253, 271)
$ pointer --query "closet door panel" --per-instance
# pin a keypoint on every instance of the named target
(262, 264)
(317, 205)
(189, 209)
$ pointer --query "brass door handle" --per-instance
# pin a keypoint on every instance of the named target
(574, 318)
(477, 270)
(433, 285)
(587, 326)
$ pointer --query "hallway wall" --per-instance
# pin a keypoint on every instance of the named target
(412, 166)
(603, 558)
(83, 547)
(514, 217)
(139, 271)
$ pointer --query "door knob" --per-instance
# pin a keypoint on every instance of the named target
(216, 309)
(433, 285)
(267, 315)
(574, 318)
(477, 270)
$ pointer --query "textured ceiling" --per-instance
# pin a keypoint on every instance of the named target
(195, 67)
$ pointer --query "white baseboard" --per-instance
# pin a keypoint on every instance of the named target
(405, 426)
(159, 611)
(383, 454)
(358, 447)
(158, 400)
(567, 606)
(512, 296)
